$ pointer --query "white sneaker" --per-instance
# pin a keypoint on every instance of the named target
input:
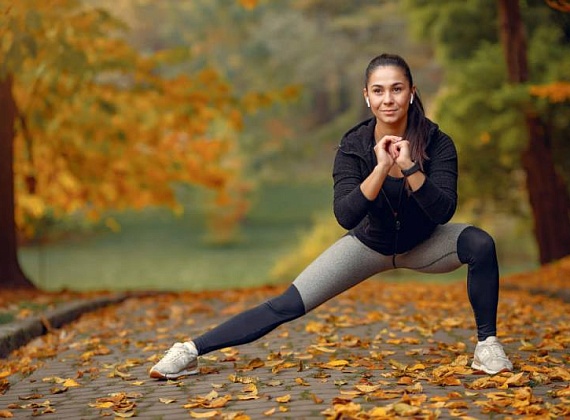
(180, 360)
(490, 357)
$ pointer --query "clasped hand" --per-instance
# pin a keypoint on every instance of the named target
(392, 150)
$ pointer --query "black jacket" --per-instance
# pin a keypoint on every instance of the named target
(419, 212)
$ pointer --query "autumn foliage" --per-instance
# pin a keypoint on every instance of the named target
(100, 126)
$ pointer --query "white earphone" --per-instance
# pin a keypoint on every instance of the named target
(412, 99)
(367, 103)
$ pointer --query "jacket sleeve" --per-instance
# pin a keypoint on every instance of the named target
(437, 197)
(350, 204)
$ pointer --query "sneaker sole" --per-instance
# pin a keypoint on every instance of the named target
(155, 374)
(481, 368)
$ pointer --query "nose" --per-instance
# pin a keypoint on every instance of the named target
(387, 98)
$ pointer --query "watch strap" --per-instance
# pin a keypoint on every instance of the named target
(415, 168)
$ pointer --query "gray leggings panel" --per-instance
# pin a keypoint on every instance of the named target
(348, 262)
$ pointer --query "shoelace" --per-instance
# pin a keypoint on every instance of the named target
(497, 350)
(177, 351)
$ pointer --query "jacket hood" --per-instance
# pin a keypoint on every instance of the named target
(360, 138)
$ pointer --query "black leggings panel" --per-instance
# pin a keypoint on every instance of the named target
(476, 248)
(254, 323)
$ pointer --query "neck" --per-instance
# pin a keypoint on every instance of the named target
(382, 130)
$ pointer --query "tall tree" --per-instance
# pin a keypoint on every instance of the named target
(11, 274)
(548, 194)
(490, 109)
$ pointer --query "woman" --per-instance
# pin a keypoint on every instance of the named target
(395, 190)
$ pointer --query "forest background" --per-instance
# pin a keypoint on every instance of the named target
(189, 144)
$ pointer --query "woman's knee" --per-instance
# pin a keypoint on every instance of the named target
(289, 304)
(474, 244)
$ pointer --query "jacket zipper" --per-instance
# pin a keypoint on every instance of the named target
(397, 224)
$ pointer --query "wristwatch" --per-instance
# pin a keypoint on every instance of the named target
(415, 168)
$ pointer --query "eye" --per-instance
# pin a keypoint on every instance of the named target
(397, 89)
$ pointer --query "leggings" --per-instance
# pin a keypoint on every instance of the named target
(348, 262)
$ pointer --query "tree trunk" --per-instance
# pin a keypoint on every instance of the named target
(11, 274)
(548, 194)
(322, 106)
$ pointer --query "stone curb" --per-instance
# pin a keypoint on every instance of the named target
(19, 333)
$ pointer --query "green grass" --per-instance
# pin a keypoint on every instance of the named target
(156, 250)
(159, 251)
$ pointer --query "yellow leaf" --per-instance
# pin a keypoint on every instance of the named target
(351, 393)
(242, 379)
(69, 383)
(417, 366)
(283, 399)
(406, 410)
(246, 397)
(517, 379)
(218, 402)
(315, 327)
(301, 381)
(166, 400)
(379, 412)
(337, 363)
(250, 388)
(212, 395)
(103, 405)
(559, 374)
(6, 414)
(269, 412)
(204, 415)
(323, 349)
(368, 388)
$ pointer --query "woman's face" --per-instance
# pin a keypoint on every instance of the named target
(389, 93)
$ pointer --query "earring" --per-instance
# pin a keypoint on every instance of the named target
(368, 102)
(412, 100)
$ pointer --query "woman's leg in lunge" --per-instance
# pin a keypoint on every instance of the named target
(451, 246)
(448, 248)
(344, 264)
(254, 323)
(476, 248)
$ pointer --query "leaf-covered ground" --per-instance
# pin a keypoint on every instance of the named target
(378, 351)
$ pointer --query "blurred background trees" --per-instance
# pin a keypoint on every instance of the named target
(515, 140)
(119, 105)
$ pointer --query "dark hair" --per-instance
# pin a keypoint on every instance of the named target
(417, 127)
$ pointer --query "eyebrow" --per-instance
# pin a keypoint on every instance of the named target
(392, 85)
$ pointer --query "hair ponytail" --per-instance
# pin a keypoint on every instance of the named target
(417, 130)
